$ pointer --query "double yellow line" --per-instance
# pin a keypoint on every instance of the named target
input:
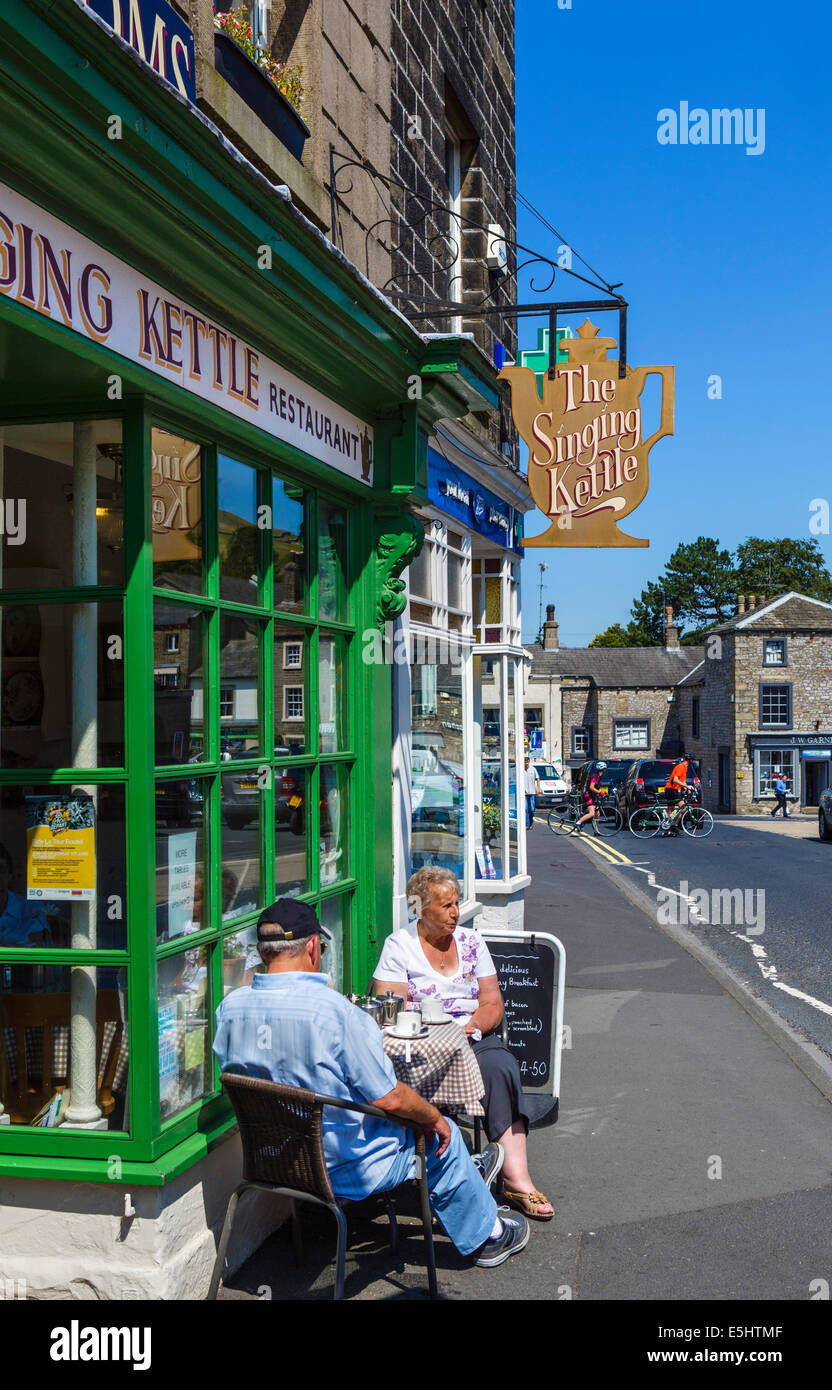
(600, 847)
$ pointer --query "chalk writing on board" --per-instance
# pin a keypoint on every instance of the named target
(526, 978)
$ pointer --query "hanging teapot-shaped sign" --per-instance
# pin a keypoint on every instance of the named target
(587, 458)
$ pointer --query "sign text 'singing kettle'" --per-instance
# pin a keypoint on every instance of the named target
(588, 462)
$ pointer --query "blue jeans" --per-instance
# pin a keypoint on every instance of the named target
(530, 808)
(458, 1196)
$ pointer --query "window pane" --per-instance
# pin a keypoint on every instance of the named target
(332, 694)
(63, 493)
(775, 653)
(240, 814)
(290, 832)
(178, 679)
(240, 960)
(183, 1030)
(437, 768)
(181, 836)
(419, 572)
(58, 843)
(773, 762)
(332, 561)
(513, 818)
(334, 917)
(334, 810)
(774, 704)
(239, 686)
(62, 681)
(48, 1015)
(176, 508)
(455, 582)
(291, 691)
(240, 538)
(289, 532)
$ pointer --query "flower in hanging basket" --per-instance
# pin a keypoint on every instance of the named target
(286, 77)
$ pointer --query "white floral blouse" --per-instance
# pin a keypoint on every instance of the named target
(402, 960)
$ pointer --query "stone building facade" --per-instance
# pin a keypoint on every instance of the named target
(761, 702)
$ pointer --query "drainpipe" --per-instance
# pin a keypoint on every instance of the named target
(83, 1112)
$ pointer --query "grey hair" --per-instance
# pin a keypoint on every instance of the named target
(421, 887)
(270, 950)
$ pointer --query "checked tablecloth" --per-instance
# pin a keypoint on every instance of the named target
(442, 1068)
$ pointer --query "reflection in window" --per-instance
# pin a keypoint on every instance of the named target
(334, 824)
(39, 1009)
(334, 917)
(240, 815)
(290, 832)
(289, 546)
(332, 561)
(184, 1052)
(511, 747)
(290, 691)
(332, 694)
(176, 510)
(239, 686)
(62, 484)
(181, 826)
(240, 538)
(178, 667)
(437, 768)
(62, 865)
(62, 685)
(240, 960)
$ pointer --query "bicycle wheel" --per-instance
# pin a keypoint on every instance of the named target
(608, 820)
(646, 822)
(562, 824)
(697, 822)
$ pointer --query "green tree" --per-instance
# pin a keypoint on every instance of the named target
(615, 636)
(782, 567)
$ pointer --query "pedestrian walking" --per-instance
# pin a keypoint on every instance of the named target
(781, 786)
(531, 786)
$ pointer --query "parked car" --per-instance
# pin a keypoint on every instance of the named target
(553, 789)
(825, 815)
(645, 783)
(239, 798)
(612, 777)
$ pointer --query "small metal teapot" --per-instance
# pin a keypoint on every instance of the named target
(370, 1006)
(391, 1006)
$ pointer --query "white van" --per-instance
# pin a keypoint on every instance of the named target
(553, 789)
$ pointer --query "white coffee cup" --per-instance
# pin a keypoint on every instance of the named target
(433, 1010)
(410, 1022)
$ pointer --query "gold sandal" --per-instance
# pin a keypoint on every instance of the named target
(528, 1203)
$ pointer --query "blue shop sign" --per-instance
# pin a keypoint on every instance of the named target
(458, 495)
(158, 34)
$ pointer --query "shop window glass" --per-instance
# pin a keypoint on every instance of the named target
(48, 1015)
(184, 1053)
(62, 489)
(332, 561)
(291, 691)
(334, 823)
(240, 684)
(56, 844)
(437, 772)
(332, 694)
(241, 806)
(289, 532)
(773, 762)
(176, 511)
(240, 538)
(290, 832)
(511, 745)
(178, 682)
(62, 684)
(181, 841)
(240, 960)
(334, 917)
(489, 850)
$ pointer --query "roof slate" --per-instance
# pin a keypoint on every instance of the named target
(619, 666)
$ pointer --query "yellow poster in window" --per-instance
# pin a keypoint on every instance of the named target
(60, 847)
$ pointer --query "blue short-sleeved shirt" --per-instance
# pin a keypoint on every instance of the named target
(291, 1028)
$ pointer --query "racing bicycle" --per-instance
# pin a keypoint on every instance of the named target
(564, 820)
(695, 821)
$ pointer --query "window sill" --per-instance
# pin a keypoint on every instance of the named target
(502, 885)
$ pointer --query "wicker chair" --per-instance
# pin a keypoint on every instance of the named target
(281, 1129)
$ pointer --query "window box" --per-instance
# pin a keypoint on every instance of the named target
(260, 93)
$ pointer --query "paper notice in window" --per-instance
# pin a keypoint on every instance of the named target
(60, 847)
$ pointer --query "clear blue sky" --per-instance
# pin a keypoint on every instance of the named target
(724, 258)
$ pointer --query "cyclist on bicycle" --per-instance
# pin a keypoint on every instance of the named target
(675, 792)
(592, 799)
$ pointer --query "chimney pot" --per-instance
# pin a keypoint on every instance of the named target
(550, 630)
(550, 612)
(752, 602)
(740, 603)
(671, 631)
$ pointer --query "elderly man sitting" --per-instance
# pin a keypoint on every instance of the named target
(287, 1026)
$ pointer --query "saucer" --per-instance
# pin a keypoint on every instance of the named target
(406, 1037)
(446, 1018)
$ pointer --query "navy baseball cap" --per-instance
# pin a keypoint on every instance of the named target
(287, 920)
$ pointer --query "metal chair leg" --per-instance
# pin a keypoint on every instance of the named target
(341, 1253)
(477, 1134)
(391, 1216)
(230, 1213)
(297, 1232)
(427, 1222)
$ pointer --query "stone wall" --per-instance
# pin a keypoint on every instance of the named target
(642, 703)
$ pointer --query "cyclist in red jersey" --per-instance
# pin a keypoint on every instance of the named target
(674, 791)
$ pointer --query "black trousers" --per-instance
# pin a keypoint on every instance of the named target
(503, 1102)
(781, 804)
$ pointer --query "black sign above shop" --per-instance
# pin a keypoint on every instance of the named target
(158, 34)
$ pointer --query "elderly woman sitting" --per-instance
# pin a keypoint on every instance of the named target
(435, 958)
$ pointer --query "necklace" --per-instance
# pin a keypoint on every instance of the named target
(440, 960)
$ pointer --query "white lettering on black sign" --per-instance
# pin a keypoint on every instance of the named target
(527, 983)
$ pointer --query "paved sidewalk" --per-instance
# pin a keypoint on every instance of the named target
(667, 1083)
(797, 827)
